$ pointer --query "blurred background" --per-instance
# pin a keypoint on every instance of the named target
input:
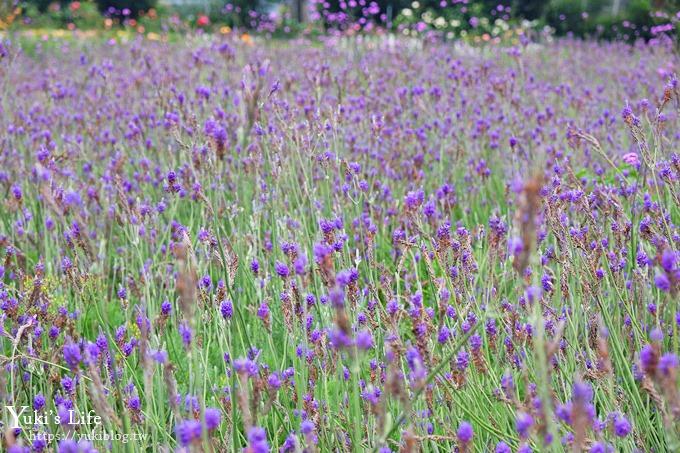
(486, 20)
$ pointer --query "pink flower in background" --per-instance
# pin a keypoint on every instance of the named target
(631, 159)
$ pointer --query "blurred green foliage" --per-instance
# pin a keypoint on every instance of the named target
(598, 18)
(607, 19)
(234, 13)
(133, 6)
(51, 14)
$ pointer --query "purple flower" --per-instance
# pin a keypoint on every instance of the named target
(38, 402)
(662, 282)
(524, 448)
(601, 447)
(274, 381)
(281, 269)
(300, 264)
(475, 343)
(16, 192)
(502, 447)
(337, 297)
(257, 440)
(621, 426)
(523, 423)
(71, 446)
(246, 366)
(364, 340)
(462, 360)
(166, 308)
(66, 264)
(306, 427)
(188, 431)
(582, 392)
(263, 311)
(186, 333)
(648, 359)
(668, 261)
(213, 418)
(289, 444)
(338, 339)
(464, 432)
(668, 363)
(72, 355)
(39, 444)
(226, 309)
(134, 403)
(631, 159)
(159, 356)
(443, 335)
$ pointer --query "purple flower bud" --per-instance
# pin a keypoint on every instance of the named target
(72, 355)
(668, 363)
(213, 418)
(66, 264)
(462, 360)
(300, 264)
(188, 431)
(464, 432)
(364, 340)
(502, 447)
(281, 269)
(668, 261)
(38, 402)
(257, 440)
(306, 427)
(185, 333)
(443, 335)
(648, 359)
(337, 297)
(582, 392)
(289, 444)
(16, 191)
(166, 308)
(274, 381)
(226, 309)
(523, 423)
(263, 311)
(601, 447)
(621, 426)
(662, 282)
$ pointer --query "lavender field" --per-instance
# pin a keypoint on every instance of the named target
(356, 244)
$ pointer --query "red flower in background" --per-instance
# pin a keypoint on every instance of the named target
(203, 20)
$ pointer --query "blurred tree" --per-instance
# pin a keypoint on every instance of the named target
(42, 5)
(298, 10)
(7, 12)
(529, 9)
